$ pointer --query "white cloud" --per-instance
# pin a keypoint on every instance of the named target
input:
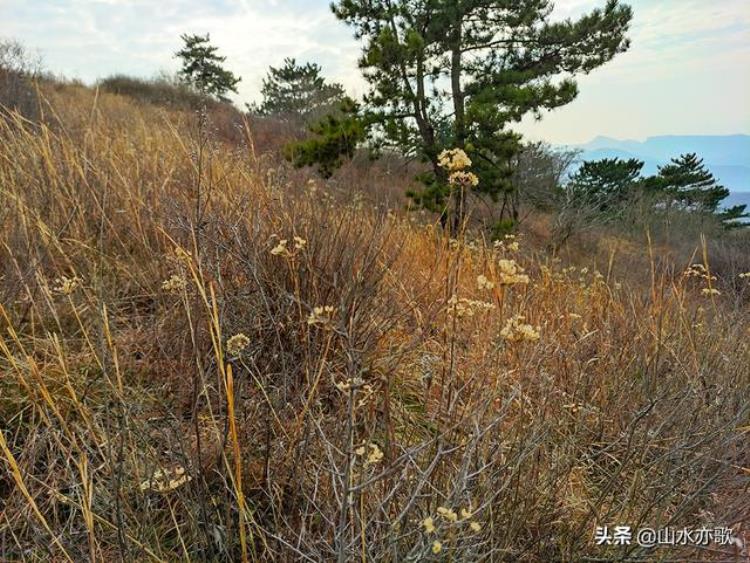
(686, 72)
(89, 39)
(686, 55)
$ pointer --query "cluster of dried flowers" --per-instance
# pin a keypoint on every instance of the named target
(282, 248)
(321, 315)
(455, 161)
(699, 271)
(515, 330)
(450, 517)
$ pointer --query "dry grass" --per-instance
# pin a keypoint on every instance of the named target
(132, 431)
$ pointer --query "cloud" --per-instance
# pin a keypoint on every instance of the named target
(89, 39)
(686, 72)
(683, 52)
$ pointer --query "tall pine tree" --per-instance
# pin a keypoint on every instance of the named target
(456, 73)
(299, 92)
(202, 67)
(605, 184)
(687, 181)
(687, 184)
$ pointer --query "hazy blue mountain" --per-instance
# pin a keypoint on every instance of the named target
(714, 149)
(726, 156)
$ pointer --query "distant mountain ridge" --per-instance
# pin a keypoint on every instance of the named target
(726, 156)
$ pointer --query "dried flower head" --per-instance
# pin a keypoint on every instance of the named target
(517, 331)
(366, 393)
(484, 283)
(236, 344)
(429, 525)
(462, 307)
(175, 284)
(321, 315)
(65, 285)
(280, 249)
(376, 455)
(463, 179)
(453, 160)
(437, 547)
(299, 243)
(695, 270)
(182, 255)
(511, 273)
(352, 383)
(508, 243)
(710, 291)
(508, 267)
(447, 513)
(163, 481)
(475, 527)
(701, 272)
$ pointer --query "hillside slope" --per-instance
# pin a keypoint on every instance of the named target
(205, 357)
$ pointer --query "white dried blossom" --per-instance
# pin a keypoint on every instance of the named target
(453, 160)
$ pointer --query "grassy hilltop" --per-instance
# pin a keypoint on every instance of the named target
(208, 355)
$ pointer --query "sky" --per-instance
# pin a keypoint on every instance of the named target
(687, 72)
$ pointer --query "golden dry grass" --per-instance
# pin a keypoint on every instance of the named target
(131, 430)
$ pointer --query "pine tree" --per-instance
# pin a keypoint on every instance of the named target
(335, 137)
(456, 73)
(299, 92)
(606, 184)
(734, 217)
(688, 183)
(202, 67)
